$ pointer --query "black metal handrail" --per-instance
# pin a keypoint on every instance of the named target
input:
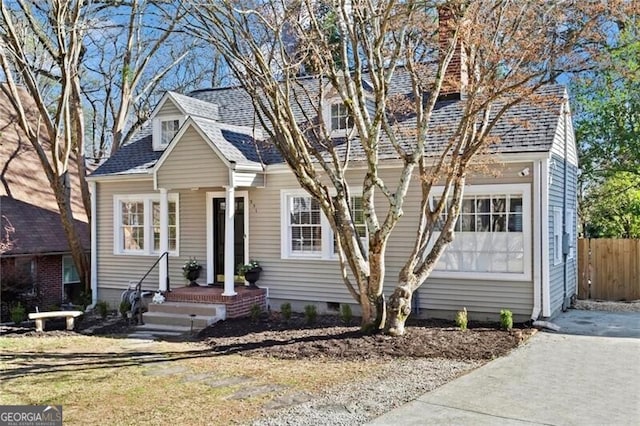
(139, 285)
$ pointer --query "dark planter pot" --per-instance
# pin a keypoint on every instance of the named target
(252, 276)
(192, 276)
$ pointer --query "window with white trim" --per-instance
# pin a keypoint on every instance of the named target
(137, 224)
(357, 214)
(165, 129)
(340, 119)
(492, 235)
(168, 129)
(557, 235)
(306, 232)
(304, 225)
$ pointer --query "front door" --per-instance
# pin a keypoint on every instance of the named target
(219, 233)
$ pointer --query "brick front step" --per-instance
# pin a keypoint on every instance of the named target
(235, 306)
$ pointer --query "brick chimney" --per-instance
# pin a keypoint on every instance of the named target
(456, 74)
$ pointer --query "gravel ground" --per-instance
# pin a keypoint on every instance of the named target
(402, 381)
(356, 403)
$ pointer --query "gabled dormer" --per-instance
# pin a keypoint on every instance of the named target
(172, 111)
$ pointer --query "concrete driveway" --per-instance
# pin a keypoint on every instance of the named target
(564, 378)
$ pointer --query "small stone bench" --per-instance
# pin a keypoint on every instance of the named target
(41, 317)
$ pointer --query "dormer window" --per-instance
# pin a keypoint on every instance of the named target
(340, 120)
(165, 128)
(168, 129)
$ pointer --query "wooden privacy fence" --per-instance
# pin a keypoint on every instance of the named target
(609, 269)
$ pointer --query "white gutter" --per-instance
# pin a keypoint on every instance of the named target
(537, 236)
(93, 188)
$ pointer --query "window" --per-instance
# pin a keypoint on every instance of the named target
(571, 231)
(492, 235)
(165, 128)
(69, 271)
(339, 117)
(137, 224)
(25, 274)
(169, 128)
(357, 213)
(557, 235)
(173, 226)
(305, 229)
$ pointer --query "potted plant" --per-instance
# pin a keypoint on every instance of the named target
(191, 271)
(250, 271)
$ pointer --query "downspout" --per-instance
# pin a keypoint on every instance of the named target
(93, 188)
(537, 245)
(565, 236)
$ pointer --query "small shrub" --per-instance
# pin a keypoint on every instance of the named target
(125, 306)
(285, 310)
(462, 319)
(256, 311)
(18, 313)
(506, 319)
(346, 315)
(310, 314)
(103, 309)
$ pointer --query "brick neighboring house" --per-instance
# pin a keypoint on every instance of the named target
(39, 256)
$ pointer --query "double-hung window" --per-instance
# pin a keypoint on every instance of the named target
(305, 231)
(304, 225)
(137, 224)
(357, 214)
(492, 235)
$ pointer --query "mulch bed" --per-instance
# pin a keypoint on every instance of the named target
(327, 338)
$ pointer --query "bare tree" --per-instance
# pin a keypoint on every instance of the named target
(138, 50)
(48, 104)
(496, 53)
(6, 236)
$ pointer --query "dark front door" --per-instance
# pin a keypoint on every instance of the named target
(219, 206)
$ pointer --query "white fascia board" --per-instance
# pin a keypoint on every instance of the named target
(121, 177)
(518, 157)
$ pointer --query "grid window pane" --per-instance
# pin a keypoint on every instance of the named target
(169, 130)
(489, 235)
(173, 225)
(305, 227)
(132, 225)
(339, 117)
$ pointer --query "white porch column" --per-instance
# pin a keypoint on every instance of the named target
(164, 238)
(229, 246)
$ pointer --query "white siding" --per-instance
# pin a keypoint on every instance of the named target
(192, 164)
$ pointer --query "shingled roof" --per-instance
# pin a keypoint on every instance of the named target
(526, 127)
(27, 202)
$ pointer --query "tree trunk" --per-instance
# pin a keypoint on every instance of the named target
(63, 199)
(399, 309)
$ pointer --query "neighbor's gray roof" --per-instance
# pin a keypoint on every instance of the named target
(526, 127)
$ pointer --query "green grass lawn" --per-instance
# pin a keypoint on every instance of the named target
(102, 380)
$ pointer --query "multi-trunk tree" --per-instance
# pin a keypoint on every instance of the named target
(496, 53)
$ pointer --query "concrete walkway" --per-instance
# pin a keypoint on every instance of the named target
(554, 379)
